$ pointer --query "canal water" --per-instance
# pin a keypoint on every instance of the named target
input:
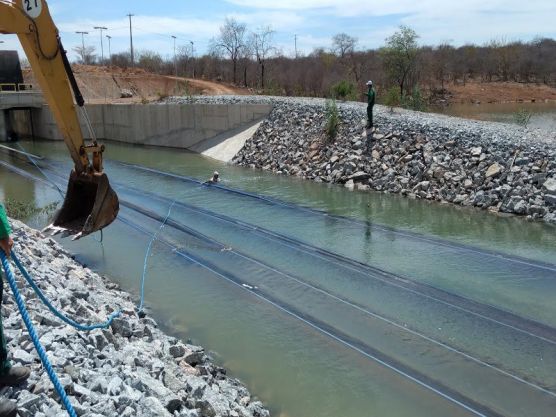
(543, 114)
(327, 302)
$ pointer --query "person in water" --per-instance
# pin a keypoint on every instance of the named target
(214, 180)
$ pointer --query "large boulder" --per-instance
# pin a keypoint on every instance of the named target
(494, 170)
(549, 186)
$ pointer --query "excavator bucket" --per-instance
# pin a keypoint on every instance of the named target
(89, 206)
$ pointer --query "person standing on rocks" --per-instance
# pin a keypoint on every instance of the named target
(371, 102)
(9, 375)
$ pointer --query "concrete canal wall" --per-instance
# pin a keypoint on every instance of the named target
(168, 125)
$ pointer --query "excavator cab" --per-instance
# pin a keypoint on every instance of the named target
(90, 205)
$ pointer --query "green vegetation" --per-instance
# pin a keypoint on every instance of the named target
(332, 120)
(415, 101)
(273, 89)
(399, 57)
(522, 117)
(23, 210)
(392, 98)
(344, 90)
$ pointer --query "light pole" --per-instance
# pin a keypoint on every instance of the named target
(109, 48)
(193, 56)
(101, 28)
(131, 39)
(82, 44)
(175, 62)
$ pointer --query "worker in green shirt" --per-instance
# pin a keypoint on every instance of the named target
(371, 102)
(9, 375)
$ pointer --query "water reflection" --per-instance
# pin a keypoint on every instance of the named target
(543, 113)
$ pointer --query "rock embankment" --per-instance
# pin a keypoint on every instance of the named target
(494, 166)
(132, 369)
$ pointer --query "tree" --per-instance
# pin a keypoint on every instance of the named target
(86, 54)
(184, 57)
(246, 55)
(442, 59)
(122, 59)
(400, 56)
(230, 42)
(151, 61)
(343, 44)
(262, 47)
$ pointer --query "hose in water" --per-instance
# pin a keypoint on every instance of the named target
(147, 253)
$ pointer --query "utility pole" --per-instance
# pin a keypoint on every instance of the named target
(175, 61)
(101, 28)
(131, 39)
(295, 40)
(82, 38)
(109, 48)
(82, 44)
(193, 56)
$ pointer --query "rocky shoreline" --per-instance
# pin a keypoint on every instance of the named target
(131, 369)
(494, 166)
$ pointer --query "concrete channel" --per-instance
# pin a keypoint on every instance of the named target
(195, 126)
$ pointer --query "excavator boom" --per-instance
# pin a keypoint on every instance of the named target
(90, 203)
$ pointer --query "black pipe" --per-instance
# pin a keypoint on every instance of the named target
(76, 92)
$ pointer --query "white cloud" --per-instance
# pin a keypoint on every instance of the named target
(146, 25)
(435, 20)
(278, 20)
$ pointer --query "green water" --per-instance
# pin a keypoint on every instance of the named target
(543, 114)
(291, 365)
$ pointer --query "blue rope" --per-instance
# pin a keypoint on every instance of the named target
(147, 253)
(21, 148)
(53, 309)
(35, 338)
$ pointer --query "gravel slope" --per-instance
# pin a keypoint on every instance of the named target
(495, 166)
(131, 369)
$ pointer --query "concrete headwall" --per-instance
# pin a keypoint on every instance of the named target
(170, 125)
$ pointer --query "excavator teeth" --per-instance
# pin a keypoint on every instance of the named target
(55, 230)
(47, 229)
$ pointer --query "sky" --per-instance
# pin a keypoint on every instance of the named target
(313, 22)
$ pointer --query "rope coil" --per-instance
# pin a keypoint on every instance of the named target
(30, 328)
(35, 338)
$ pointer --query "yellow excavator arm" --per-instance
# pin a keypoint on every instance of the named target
(90, 202)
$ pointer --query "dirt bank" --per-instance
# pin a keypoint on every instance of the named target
(498, 92)
(100, 84)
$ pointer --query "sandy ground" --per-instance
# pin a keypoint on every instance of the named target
(105, 84)
(499, 92)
